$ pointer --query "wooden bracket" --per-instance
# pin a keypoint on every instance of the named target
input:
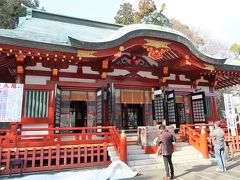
(55, 72)
(104, 75)
(105, 64)
(20, 70)
(164, 79)
(196, 81)
(20, 58)
(165, 70)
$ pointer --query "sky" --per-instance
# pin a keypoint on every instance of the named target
(218, 18)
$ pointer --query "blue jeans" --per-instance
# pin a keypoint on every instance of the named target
(219, 155)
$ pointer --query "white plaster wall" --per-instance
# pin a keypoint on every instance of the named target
(40, 80)
(183, 78)
(70, 69)
(38, 67)
(172, 77)
(87, 70)
(34, 126)
(118, 72)
(147, 75)
(77, 80)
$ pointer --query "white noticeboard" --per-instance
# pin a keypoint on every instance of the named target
(11, 96)
(231, 115)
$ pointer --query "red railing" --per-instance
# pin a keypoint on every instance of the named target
(39, 137)
(198, 136)
(196, 139)
(43, 149)
(55, 157)
(120, 144)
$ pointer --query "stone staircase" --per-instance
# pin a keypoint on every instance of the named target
(186, 155)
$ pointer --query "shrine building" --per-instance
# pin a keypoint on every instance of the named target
(83, 73)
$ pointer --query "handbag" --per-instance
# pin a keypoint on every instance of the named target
(155, 141)
(159, 150)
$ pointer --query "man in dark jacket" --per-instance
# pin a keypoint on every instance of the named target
(166, 140)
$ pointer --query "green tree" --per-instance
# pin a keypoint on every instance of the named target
(235, 48)
(125, 14)
(10, 10)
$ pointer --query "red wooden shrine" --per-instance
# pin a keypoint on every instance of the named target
(79, 73)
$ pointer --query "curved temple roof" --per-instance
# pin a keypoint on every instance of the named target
(56, 32)
(138, 30)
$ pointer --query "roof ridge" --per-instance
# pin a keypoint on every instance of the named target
(73, 20)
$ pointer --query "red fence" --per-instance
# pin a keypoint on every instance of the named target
(71, 148)
(197, 136)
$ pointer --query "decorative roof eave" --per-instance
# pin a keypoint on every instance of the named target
(37, 45)
(147, 33)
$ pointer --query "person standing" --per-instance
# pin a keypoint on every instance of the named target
(166, 140)
(218, 143)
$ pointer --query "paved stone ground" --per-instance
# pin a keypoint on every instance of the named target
(198, 172)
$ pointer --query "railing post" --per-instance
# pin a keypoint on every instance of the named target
(204, 143)
(123, 147)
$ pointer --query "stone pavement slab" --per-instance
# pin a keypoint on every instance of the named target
(197, 172)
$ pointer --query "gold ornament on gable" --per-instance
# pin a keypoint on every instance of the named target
(83, 53)
(156, 43)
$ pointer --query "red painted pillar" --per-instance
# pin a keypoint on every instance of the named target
(214, 104)
(20, 76)
(123, 147)
(214, 108)
(204, 143)
(51, 108)
(20, 79)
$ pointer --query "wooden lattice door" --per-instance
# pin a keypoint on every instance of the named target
(171, 108)
(199, 107)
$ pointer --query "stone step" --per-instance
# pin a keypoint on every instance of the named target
(186, 152)
(160, 165)
(140, 160)
(181, 144)
(176, 155)
(132, 138)
(129, 147)
(131, 134)
(184, 148)
(135, 151)
(144, 162)
(133, 157)
(186, 157)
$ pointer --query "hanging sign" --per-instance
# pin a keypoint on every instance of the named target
(11, 96)
(231, 116)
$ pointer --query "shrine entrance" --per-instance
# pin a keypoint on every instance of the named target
(78, 114)
(132, 115)
(181, 113)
